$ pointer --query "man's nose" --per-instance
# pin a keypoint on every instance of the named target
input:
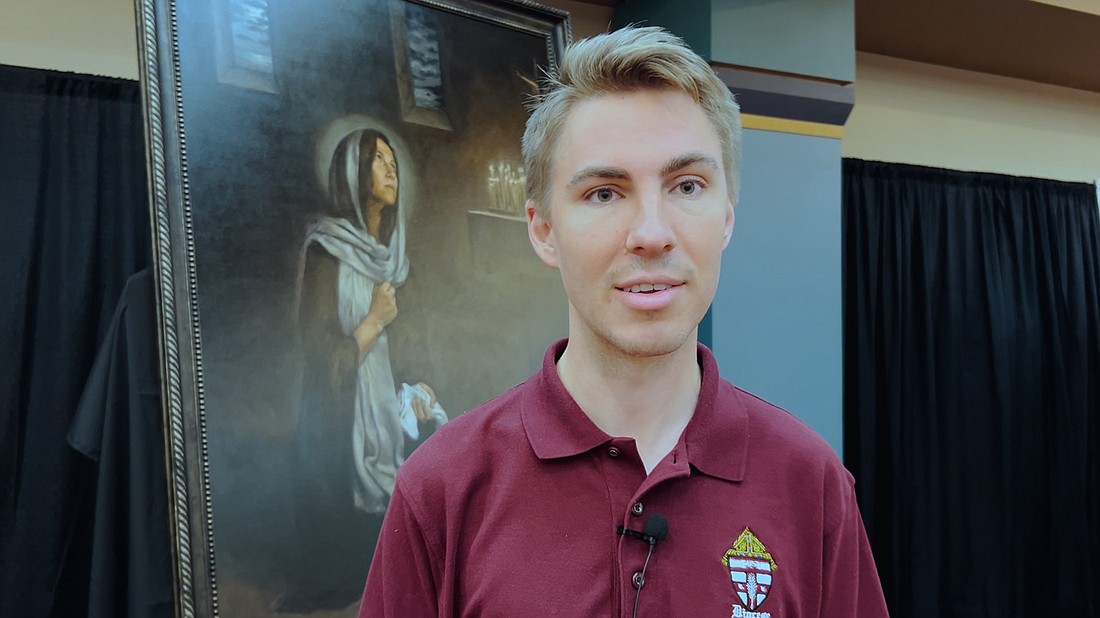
(651, 232)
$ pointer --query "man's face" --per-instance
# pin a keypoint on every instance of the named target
(639, 216)
(383, 174)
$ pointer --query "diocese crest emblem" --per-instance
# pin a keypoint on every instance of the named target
(752, 571)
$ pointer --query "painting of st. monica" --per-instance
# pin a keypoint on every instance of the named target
(343, 265)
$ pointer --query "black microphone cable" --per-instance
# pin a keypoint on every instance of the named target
(655, 529)
(641, 580)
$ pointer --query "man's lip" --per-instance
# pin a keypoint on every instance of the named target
(657, 300)
(626, 285)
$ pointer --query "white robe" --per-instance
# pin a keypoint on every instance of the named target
(378, 441)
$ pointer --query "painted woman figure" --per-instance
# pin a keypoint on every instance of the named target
(356, 427)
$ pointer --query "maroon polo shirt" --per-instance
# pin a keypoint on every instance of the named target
(512, 508)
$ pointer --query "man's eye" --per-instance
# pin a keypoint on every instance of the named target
(689, 187)
(603, 195)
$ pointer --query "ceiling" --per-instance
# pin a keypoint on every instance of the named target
(1026, 39)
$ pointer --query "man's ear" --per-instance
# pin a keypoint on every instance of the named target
(729, 224)
(538, 230)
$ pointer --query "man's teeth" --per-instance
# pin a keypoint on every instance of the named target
(648, 287)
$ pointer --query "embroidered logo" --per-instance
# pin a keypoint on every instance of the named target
(751, 571)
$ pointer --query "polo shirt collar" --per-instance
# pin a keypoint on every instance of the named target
(716, 439)
(555, 425)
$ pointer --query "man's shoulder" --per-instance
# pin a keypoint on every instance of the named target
(774, 429)
(471, 441)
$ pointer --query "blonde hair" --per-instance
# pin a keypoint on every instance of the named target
(626, 60)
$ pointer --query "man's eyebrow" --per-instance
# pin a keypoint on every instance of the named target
(598, 171)
(687, 160)
(674, 165)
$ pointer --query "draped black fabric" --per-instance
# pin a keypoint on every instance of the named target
(972, 388)
(118, 426)
(76, 226)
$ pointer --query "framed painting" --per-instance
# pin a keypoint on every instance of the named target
(342, 265)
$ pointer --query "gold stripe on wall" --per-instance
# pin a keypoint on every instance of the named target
(798, 127)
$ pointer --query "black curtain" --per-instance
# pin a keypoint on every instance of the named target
(76, 226)
(972, 388)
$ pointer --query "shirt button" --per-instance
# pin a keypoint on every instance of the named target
(636, 508)
(613, 451)
(638, 579)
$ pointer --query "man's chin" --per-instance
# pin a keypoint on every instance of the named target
(652, 345)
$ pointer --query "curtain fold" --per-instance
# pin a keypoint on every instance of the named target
(972, 388)
(72, 184)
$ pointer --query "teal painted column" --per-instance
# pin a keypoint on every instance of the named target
(776, 318)
(813, 38)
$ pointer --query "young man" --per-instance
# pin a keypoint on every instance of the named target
(626, 477)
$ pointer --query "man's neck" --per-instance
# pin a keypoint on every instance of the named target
(648, 399)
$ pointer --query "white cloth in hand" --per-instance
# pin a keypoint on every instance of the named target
(410, 393)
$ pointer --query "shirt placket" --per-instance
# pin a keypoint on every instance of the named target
(628, 486)
(644, 503)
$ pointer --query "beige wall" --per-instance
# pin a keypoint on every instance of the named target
(588, 19)
(909, 112)
(905, 111)
(81, 36)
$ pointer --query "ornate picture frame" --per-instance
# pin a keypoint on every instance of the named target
(330, 180)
